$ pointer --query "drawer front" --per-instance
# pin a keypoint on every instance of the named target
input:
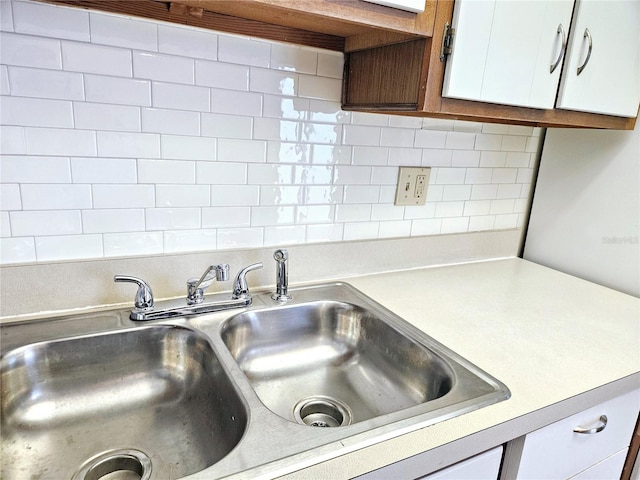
(557, 451)
(609, 468)
(481, 467)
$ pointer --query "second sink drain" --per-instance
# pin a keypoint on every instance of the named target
(322, 411)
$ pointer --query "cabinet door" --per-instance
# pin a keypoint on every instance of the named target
(503, 51)
(610, 80)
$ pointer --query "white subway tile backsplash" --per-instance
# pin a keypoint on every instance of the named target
(45, 223)
(88, 58)
(120, 91)
(125, 137)
(60, 141)
(177, 122)
(100, 116)
(28, 51)
(187, 42)
(55, 196)
(36, 112)
(127, 145)
(40, 83)
(123, 32)
(180, 97)
(50, 21)
(167, 68)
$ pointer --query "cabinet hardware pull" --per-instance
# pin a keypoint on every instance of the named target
(562, 49)
(591, 431)
(587, 35)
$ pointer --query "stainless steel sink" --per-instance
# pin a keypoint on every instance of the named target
(87, 406)
(100, 397)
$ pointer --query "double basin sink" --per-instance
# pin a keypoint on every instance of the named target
(264, 389)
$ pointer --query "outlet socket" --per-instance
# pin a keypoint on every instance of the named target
(412, 185)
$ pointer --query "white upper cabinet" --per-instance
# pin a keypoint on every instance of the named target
(508, 51)
(606, 43)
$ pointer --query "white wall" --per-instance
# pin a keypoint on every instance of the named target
(126, 137)
(585, 218)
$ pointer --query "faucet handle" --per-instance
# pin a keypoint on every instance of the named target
(196, 287)
(144, 295)
(240, 286)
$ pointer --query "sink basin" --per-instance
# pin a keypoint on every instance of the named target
(148, 402)
(345, 359)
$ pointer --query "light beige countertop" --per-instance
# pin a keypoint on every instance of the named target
(559, 343)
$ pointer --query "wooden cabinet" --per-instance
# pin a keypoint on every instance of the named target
(589, 444)
(602, 73)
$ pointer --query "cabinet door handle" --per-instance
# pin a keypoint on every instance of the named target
(591, 431)
(555, 64)
(587, 35)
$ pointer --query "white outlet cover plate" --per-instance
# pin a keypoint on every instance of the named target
(406, 190)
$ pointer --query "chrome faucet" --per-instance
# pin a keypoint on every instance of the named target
(282, 281)
(195, 302)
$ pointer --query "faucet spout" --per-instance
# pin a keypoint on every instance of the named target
(240, 286)
(282, 280)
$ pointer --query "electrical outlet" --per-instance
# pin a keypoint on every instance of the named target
(412, 185)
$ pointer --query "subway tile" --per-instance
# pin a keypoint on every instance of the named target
(236, 103)
(238, 150)
(27, 51)
(513, 143)
(415, 212)
(288, 152)
(35, 82)
(168, 68)
(100, 116)
(437, 124)
(477, 176)
(493, 159)
(132, 244)
(323, 194)
(327, 111)
(466, 126)
(28, 169)
(5, 225)
(226, 126)
(272, 215)
(222, 75)
(386, 212)
(361, 230)
(353, 213)
(384, 176)
(430, 139)
(518, 159)
(219, 173)
(410, 157)
(46, 222)
(5, 89)
(36, 112)
(361, 193)
(504, 175)
(277, 130)
(487, 141)
(125, 32)
(60, 141)
(188, 148)
(293, 58)
(312, 175)
(481, 223)
(123, 91)
(6, 16)
(521, 205)
(322, 88)
(394, 229)
(484, 192)
(275, 82)
(368, 156)
(397, 137)
(226, 217)
(176, 122)
(320, 133)
(123, 196)
(465, 158)
(309, 214)
(405, 122)
(182, 241)
(10, 197)
(507, 221)
(331, 232)
(50, 21)
(55, 196)
(187, 42)
(180, 97)
(235, 195)
(525, 175)
(244, 51)
(128, 145)
(454, 225)
(361, 135)
(172, 218)
(289, 108)
(495, 128)
(89, 58)
(501, 206)
(183, 196)
(520, 130)
(352, 175)
(166, 171)
(68, 247)
(240, 238)
(476, 207)
(436, 157)
(276, 236)
(103, 170)
(331, 154)
(449, 176)
(330, 64)
(456, 192)
(387, 194)
(17, 250)
(460, 141)
(509, 190)
(113, 221)
(449, 209)
(532, 145)
(370, 119)
(281, 195)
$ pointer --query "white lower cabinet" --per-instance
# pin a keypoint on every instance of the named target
(588, 445)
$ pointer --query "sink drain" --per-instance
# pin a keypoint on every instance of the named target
(116, 465)
(321, 411)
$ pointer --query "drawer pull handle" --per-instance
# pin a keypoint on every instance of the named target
(591, 431)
